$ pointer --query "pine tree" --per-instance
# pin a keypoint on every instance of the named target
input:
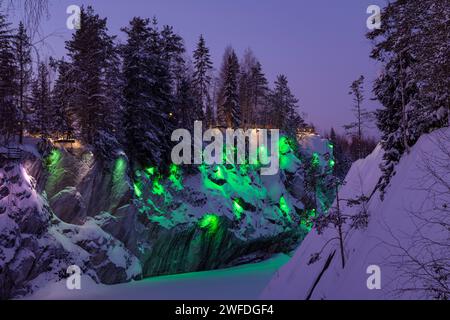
(246, 87)
(93, 54)
(229, 110)
(172, 46)
(137, 71)
(283, 108)
(253, 89)
(188, 105)
(393, 94)
(113, 88)
(41, 103)
(259, 92)
(9, 113)
(62, 90)
(413, 45)
(24, 72)
(167, 60)
(363, 117)
(147, 94)
(202, 78)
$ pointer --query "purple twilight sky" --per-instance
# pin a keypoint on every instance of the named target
(318, 44)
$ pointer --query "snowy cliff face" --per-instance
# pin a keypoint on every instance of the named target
(77, 186)
(407, 235)
(36, 247)
(225, 214)
(65, 208)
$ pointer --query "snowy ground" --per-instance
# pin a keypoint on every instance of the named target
(242, 282)
(409, 251)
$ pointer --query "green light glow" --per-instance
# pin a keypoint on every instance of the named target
(283, 145)
(209, 221)
(262, 149)
(315, 161)
(155, 207)
(150, 171)
(175, 177)
(284, 207)
(137, 189)
(263, 156)
(243, 169)
(54, 158)
(239, 186)
(330, 145)
(218, 173)
(119, 176)
(285, 162)
(119, 171)
(237, 209)
(158, 189)
(307, 223)
(207, 183)
(56, 171)
(331, 163)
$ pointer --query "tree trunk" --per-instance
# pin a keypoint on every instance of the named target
(341, 240)
(404, 114)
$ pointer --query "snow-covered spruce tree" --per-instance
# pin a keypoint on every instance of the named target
(259, 92)
(228, 108)
(185, 101)
(413, 45)
(363, 117)
(283, 108)
(113, 84)
(392, 96)
(9, 113)
(63, 115)
(219, 87)
(43, 115)
(93, 55)
(22, 47)
(430, 43)
(245, 87)
(172, 49)
(146, 93)
(253, 89)
(138, 64)
(188, 106)
(168, 70)
(202, 79)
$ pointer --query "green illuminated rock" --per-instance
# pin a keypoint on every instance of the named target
(209, 222)
(179, 220)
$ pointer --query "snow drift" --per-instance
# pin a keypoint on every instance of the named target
(36, 247)
(407, 235)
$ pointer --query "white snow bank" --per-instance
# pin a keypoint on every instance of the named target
(242, 282)
(395, 225)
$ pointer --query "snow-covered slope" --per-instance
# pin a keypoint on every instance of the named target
(36, 247)
(407, 235)
(236, 283)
